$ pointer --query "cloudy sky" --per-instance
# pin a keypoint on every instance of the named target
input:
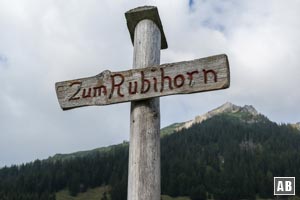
(43, 42)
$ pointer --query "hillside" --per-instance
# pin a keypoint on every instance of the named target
(246, 113)
(233, 153)
(78, 154)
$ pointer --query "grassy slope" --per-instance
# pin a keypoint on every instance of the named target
(96, 194)
(91, 194)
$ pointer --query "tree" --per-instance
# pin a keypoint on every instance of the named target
(74, 185)
(104, 196)
(198, 193)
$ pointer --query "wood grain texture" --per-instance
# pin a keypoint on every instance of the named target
(144, 148)
(200, 75)
(134, 16)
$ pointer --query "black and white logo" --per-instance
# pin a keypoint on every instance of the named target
(284, 185)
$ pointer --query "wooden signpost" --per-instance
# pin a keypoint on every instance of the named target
(142, 86)
(199, 75)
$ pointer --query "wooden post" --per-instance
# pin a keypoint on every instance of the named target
(144, 148)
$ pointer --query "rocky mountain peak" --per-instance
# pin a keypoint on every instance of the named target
(225, 108)
(232, 108)
(250, 109)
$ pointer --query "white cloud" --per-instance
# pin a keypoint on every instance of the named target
(43, 42)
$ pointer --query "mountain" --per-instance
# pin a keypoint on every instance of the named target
(231, 152)
(246, 113)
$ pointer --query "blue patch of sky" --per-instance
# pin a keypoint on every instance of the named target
(3, 60)
(209, 23)
(218, 9)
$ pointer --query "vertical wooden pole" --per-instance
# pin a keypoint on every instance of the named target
(144, 150)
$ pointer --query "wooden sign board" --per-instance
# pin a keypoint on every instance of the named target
(205, 74)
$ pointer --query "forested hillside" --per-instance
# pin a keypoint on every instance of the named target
(232, 155)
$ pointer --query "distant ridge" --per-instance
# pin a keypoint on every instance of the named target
(247, 113)
(77, 154)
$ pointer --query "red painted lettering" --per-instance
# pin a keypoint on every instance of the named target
(205, 72)
(163, 78)
(116, 85)
(97, 90)
(84, 95)
(144, 82)
(190, 74)
(77, 91)
(155, 84)
(179, 78)
(130, 88)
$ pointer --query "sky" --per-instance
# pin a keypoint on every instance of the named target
(43, 42)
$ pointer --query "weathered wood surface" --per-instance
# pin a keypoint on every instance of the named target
(205, 74)
(144, 148)
(134, 16)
